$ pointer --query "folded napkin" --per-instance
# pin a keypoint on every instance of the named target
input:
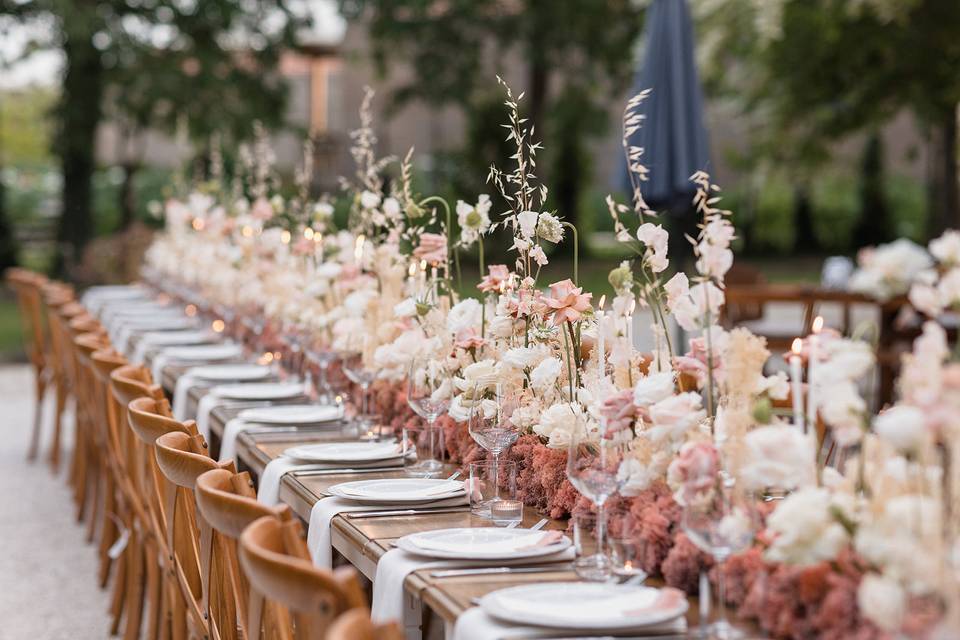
(181, 354)
(318, 529)
(228, 443)
(181, 393)
(268, 491)
(476, 624)
(395, 565)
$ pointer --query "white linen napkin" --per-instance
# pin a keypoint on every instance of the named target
(318, 529)
(228, 443)
(395, 565)
(475, 624)
(269, 490)
(160, 339)
(181, 395)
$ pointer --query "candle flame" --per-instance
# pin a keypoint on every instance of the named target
(603, 299)
(423, 265)
(818, 324)
(412, 271)
(308, 233)
(797, 346)
(285, 237)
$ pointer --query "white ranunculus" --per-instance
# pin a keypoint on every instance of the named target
(776, 386)
(926, 299)
(882, 601)
(391, 207)
(526, 415)
(546, 374)
(369, 200)
(560, 423)
(903, 426)
(805, 531)
(898, 540)
(525, 357)
(527, 221)
(842, 408)
(653, 388)
(890, 269)
(948, 289)
(778, 457)
(637, 477)
(674, 416)
(483, 372)
(946, 248)
(466, 314)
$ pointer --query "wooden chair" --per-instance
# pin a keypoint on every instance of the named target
(89, 446)
(61, 309)
(227, 501)
(275, 558)
(182, 457)
(27, 285)
(357, 625)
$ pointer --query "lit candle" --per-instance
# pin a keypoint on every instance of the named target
(629, 332)
(796, 380)
(318, 241)
(433, 281)
(358, 250)
(423, 276)
(601, 348)
(812, 364)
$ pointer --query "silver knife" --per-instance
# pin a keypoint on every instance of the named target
(404, 512)
(453, 573)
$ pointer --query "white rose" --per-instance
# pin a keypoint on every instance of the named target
(483, 372)
(369, 200)
(561, 423)
(903, 426)
(546, 374)
(882, 601)
(653, 388)
(466, 314)
(525, 357)
(673, 416)
(946, 248)
(805, 531)
(780, 457)
(391, 207)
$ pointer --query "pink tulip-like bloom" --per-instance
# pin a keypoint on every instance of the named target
(468, 339)
(433, 248)
(303, 247)
(567, 301)
(619, 412)
(261, 209)
(497, 278)
(694, 470)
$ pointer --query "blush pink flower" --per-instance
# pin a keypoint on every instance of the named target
(619, 411)
(694, 470)
(468, 338)
(567, 301)
(495, 280)
(261, 209)
(303, 247)
(433, 248)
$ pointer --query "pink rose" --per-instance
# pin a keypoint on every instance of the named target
(433, 248)
(468, 338)
(694, 470)
(619, 412)
(303, 247)
(261, 209)
(567, 301)
(499, 275)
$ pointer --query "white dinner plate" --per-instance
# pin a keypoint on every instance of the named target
(398, 490)
(345, 452)
(293, 414)
(155, 323)
(177, 338)
(586, 605)
(259, 390)
(200, 352)
(225, 372)
(484, 543)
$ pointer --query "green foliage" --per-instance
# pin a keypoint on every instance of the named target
(25, 126)
(836, 206)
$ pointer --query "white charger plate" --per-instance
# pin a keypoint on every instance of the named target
(345, 452)
(259, 390)
(293, 414)
(586, 605)
(398, 490)
(204, 352)
(224, 372)
(481, 543)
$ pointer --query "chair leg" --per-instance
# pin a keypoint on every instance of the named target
(58, 420)
(41, 389)
(134, 607)
(78, 474)
(108, 531)
(153, 593)
(179, 617)
(119, 594)
(93, 515)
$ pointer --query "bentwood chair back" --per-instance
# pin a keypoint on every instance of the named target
(357, 625)
(182, 457)
(89, 448)
(275, 558)
(61, 309)
(228, 502)
(27, 285)
(82, 324)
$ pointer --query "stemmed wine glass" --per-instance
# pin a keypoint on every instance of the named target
(357, 372)
(593, 469)
(428, 394)
(721, 520)
(323, 358)
(490, 423)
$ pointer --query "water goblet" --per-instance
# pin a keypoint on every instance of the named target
(358, 373)
(490, 423)
(428, 394)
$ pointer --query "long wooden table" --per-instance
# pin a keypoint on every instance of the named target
(432, 604)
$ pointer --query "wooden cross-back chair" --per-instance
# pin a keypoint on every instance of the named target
(182, 457)
(82, 324)
(276, 560)
(89, 449)
(357, 625)
(27, 285)
(228, 502)
(62, 307)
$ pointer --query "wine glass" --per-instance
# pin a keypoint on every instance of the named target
(593, 467)
(721, 520)
(323, 358)
(357, 372)
(490, 423)
(428, 394)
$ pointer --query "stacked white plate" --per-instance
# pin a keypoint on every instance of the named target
(346, 452)
(297, 414)
(228, 372)
(259, 391)
(398, 490)
(484, 543)
(186, 337)
(203, 352)
(586, 606)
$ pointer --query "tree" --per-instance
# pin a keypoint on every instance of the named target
(213, 62)
(575, 56)
(817, 70)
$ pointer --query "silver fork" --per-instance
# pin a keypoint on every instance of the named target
(536, 527)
